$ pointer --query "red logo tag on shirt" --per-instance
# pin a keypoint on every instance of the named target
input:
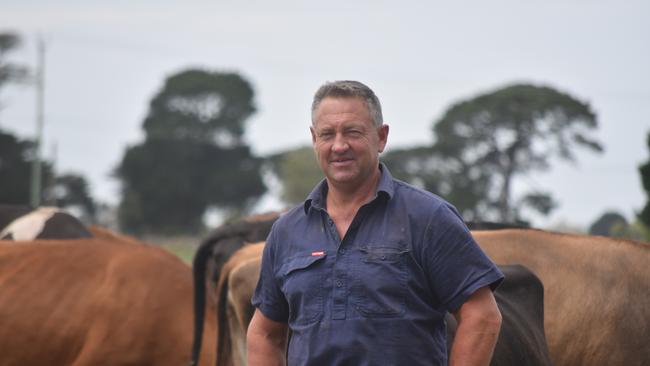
(317, 254)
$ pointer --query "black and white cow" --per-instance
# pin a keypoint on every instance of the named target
(22, 223)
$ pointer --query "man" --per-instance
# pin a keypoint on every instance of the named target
(364, 272)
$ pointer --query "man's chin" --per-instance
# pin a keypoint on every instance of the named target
(342, 177)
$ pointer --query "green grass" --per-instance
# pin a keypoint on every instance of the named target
(182, 246)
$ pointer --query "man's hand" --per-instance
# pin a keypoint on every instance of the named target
(479, 322)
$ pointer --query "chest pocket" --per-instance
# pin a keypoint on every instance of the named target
(380, 281)
(302, 285)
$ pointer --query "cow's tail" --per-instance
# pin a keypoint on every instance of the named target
(199, 267)
(223, 328)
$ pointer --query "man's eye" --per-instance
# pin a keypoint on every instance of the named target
(355, 133)
(326, 135)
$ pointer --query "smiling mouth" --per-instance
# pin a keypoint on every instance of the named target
(341, 160)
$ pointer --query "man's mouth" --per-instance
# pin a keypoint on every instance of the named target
(341, 160)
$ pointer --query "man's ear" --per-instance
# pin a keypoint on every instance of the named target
(313, 134)
(382, 131)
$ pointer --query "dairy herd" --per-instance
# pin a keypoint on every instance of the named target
(94, 297)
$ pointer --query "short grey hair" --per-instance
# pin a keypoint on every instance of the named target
(349, 89)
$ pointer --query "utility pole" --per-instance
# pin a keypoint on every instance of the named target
(35, 196)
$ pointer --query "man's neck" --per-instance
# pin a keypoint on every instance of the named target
(347, 198)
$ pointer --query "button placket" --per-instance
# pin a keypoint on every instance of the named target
(339, 291)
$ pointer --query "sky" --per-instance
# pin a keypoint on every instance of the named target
(105, 60)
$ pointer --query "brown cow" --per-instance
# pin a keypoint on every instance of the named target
(213, 253)
(587, 283)
(96, 301)
(234, 308)
(597, 292)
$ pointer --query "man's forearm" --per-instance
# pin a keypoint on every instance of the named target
(474, 345)
(264, 351)
(266, 341)
(479, 322)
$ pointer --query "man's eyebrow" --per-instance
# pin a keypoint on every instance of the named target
(355, 125)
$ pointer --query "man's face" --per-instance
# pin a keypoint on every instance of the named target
(346, 141)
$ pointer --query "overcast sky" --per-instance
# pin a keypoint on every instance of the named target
(106, 59)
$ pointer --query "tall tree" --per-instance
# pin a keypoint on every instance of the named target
(15, 168)
(607, 223)
(16, 155)
(299, 173)
(71, 191)
(10, 72)
(644, 170)
(193, 157)
(486, 141)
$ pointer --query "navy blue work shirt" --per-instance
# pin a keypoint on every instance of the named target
(379, 295)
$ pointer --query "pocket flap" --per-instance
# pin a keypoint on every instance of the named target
(301, 262)
(380, 254)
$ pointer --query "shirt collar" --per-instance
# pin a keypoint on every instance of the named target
(317, 196)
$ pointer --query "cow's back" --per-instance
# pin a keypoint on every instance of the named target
(21, 223)
(597, 303)
(109, 303)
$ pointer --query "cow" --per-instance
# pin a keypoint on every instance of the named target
(519, 297)
(96, 301)
(212, 254)
(522, 340)
(587, 282)
(232, 236)
(21, 223)
(235, 288)
(597, 292)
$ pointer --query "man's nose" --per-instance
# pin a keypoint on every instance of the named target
(340, 143)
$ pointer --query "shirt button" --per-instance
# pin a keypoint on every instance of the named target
(339, 283)
(341, 251)
(383, 257)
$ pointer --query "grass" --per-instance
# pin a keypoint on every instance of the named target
(182, 246)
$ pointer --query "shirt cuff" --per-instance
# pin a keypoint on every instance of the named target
(492, 279)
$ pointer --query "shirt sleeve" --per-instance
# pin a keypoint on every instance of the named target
(456, 266)
(268, 297)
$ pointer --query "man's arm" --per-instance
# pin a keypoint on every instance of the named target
(479, 322)
(266, 341)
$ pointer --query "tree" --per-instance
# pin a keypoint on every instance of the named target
(299, 173)
(644, 170)
(63, 191)
(485, 142)
(16, 157)
(193, 156)
(70, 191)
(10, 72)
(607, 223)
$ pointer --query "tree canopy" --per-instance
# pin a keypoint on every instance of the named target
(10, 72)
(16, 157)
(483, 143)
(66, 191)
(193, 156)
(69, 191)
(299, 173)
(607, 223)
